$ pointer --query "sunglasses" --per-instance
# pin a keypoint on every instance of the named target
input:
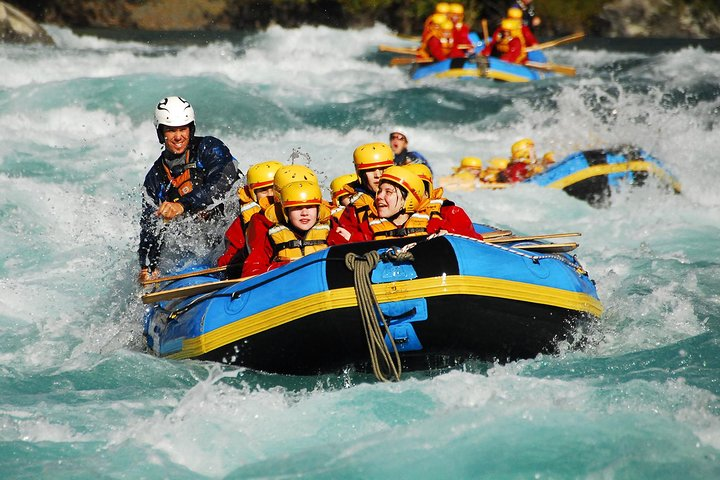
(395, 136)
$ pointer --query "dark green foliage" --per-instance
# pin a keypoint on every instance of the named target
(407, 17)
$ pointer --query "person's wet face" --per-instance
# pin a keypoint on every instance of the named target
(303, 217)
(389, 200)
(398, 143)
(177, 139)
(371, 178)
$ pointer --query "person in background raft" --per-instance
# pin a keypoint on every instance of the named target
(495, 166)
(507, 42)
(191, 177)
(465, 176)
(462, 45)
(529, 17)
(523, 162)
(254, 197)
(302, 228)
(399, 144)
(441, 10)
(528, 36)
(438, 44)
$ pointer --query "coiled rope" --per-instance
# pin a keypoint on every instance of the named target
(385, 364)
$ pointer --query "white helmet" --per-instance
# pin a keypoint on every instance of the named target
(174, 112)
(401, 131)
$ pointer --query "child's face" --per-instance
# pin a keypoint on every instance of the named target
(303, 218)
(388, 200)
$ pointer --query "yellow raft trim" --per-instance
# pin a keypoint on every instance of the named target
(387, 292)
(492, 74)
(605, 169)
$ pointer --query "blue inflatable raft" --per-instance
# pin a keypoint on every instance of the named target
(480, 66)
(456, 299)
(593, 175)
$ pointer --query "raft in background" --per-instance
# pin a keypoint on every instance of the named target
(484, 67)
(590, 175)
(458, 299)
(593, 175)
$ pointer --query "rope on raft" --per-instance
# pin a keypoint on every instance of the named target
(385, 364)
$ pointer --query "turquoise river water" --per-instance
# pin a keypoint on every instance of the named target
(80, 398)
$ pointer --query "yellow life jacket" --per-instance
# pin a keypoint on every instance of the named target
(337, 211)
(248, 206)
(423, 51)
(435, 202)
(287, 245)
(383, 228)
(362, 202)
(504, 45)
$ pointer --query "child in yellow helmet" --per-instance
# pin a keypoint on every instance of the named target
(523, 162)
(465, 176)
(301, 229)
(254, 197)
(340, 193)
(370, 161)
(402, 209)
(462, 45)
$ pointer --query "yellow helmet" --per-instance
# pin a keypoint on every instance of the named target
(300, 194)
(514, 12)
(548, 158)
(520, 150)
(498, 163)
(372, 156)
(447, 26)
(408, 181)
(261, 175)
(456, 8)
(471, 162)
(510, 24)
(338, 184)
(425, 174)
(438, 19)
(289, 174)
(442, 7)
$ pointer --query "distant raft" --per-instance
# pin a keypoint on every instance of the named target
(593, 175)
(484, 67)
(454, 299)
(480, 66)
(590, 175)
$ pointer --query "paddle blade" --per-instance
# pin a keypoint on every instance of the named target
(553, 67)
(548, 247)
(560, 41)
(400, 50)
(408, 61)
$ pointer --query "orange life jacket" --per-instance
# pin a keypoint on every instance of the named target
(182, 184)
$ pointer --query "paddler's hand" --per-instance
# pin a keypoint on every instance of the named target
(343, 233)
(146, 275)
(170, 210)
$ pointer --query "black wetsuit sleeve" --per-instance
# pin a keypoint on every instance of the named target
(151, 227)
(219, 171)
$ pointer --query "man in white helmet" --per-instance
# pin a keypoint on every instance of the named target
(191, 176)
(399, 144)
